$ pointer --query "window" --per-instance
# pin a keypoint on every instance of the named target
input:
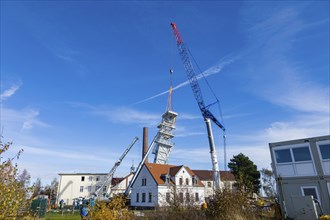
(98, 178)
(325, 151)
(194, 180)
(89, 188)
(209, 184)
(81, 189)
(310, 191)
(104, 188)
(144, 182)
(181, 197)
(82, 178)
(168, 197)
(301, 154)
(187, 181)
(196, 197)
(143, 197)
(180, 181)
(283, 156)
(90, 178)
(188, 197)
(137, 197)
(97, 187)
(150, 197)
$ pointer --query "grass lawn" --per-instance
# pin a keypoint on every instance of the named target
(66, 216)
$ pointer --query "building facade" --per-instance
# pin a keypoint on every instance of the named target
(84, 185)
(158, 184)
(206, 176)
(302, 170)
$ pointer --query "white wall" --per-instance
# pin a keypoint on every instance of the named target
(121, 187)
(70, 184)
(150, 187)
(159, 192)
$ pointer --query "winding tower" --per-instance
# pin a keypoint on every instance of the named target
(164, 143)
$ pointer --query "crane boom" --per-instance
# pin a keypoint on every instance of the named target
(108, 180)
(183, 51)
(138, 169)
(207, 115)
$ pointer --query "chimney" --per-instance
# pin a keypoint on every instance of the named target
(145, 143)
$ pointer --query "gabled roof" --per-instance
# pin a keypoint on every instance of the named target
(158, 170)
(206, 175)
(116, 180)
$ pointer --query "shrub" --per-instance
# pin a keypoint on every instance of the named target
(229, 205)
(114, 209)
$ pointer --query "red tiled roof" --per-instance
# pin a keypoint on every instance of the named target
(157, 170)
(116, 180)
(205, 175)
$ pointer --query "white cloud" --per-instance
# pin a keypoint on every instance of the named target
(210, 71)
(123, 115)
(23, 119)
(9, 92)
(70, 155)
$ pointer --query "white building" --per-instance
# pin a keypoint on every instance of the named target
(75, 185)
(156, 183)
(206, 176)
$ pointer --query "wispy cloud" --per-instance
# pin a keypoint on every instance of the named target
(128, 116)
(24, 119)
(211, 71)
(271, 58)
(123, 115)
(63, 154)
(9, 92)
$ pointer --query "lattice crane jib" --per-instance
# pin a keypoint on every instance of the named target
(188, 66)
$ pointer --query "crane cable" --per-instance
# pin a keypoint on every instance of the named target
(219, 108)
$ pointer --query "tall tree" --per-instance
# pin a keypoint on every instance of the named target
(36, 188)
(268, 183)
(51, 190)
(246, 173)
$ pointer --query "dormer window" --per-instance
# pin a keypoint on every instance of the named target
(194, 180)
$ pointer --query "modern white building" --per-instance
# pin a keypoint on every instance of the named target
(302, 172)
(84, 185)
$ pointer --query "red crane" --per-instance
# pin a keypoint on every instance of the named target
(207, 115)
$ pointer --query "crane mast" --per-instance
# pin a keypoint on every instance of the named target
(207, 115)
(109, 177)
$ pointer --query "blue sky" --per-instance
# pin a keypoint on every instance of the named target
(80, 79)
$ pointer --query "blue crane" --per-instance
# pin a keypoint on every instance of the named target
(207, 115)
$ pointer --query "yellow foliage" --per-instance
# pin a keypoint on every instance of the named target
(13, 192)
(114, 209)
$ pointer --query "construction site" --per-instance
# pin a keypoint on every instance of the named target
(157, 185)
(164, 110)
(150, 184)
